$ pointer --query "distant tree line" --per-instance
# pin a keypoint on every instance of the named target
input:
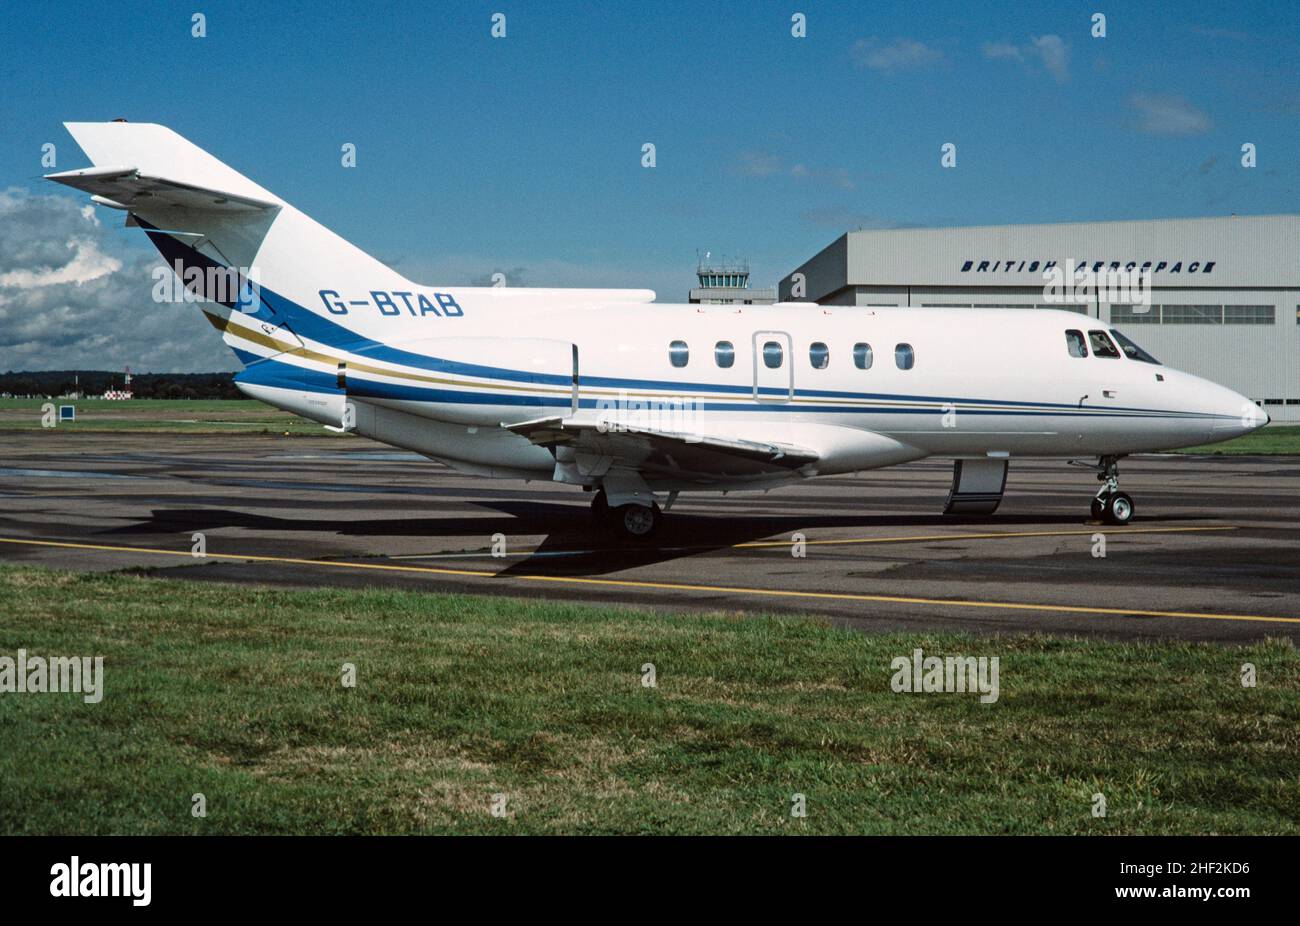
(51, 383)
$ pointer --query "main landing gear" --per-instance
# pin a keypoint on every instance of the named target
(1111, 505)
(628, 522)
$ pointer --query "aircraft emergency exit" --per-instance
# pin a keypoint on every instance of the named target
(632, 400)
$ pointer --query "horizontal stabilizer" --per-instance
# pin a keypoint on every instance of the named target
(148, 168)
(128, 188)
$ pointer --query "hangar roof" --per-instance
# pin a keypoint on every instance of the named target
(1220, 252)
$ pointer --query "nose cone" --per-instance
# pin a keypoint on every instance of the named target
(1234, 415)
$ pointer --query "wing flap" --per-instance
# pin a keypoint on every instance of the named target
(662, 452)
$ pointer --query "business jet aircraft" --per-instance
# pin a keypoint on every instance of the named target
(630, 399)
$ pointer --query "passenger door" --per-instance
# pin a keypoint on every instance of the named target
(773, 367)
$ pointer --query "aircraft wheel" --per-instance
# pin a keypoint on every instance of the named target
(636, 522)
(1098, 509)
(600, 507)
(1118, 508)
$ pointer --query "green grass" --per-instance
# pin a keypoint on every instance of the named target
(193, 405)
(1268, 440)
(235, 692)
(195, 416)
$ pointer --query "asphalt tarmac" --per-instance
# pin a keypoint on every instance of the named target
(1213, 553)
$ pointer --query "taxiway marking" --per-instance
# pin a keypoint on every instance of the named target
(679, 586)
(1119, 532)
(916, 538)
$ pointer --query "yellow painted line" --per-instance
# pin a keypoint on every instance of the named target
(1110, 531)
(687, 587)
(915, 538)
(899, 599)
(248, 558)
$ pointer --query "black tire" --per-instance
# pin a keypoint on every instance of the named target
(1119, 508)
(1098, 509)
(636, 523)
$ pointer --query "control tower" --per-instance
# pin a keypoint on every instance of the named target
(724, 282)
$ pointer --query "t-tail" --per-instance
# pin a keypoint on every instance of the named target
(268, 276)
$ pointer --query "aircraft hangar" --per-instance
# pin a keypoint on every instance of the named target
(1224, 292)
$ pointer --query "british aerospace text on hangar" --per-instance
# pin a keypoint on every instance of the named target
(1225, 292)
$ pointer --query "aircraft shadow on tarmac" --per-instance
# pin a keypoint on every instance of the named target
(573, 544)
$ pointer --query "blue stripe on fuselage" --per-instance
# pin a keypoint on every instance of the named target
(308, 324)
(275, 373)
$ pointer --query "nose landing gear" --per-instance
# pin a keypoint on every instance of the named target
(1110, 504)
(1113, 508)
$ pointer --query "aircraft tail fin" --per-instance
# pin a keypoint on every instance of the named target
(210, 222)
(253, 260)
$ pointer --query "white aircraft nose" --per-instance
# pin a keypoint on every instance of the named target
(1235, 414)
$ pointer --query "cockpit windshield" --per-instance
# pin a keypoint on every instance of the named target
(1131, 350)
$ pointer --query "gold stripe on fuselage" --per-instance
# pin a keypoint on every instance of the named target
(255, 337)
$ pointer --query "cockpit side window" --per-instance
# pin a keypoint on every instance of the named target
(1131, 350)
(1075, 341)
(1102, 346)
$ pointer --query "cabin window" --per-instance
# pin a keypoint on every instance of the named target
(679, 353)
(1075, 341)
(1102, 346)
(772, 355)
(1131, 350)
(724, 352)
(862, 356)
(819, 355)
(904, 356)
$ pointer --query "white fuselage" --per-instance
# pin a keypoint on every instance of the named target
(606, 388)
(982, 382)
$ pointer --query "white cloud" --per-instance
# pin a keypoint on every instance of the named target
(759, 164)
(898, 55)
(1167, 115)
(1054, 55)
(1048, 51)
(841, 178)
(75, 295)
(996, 50)
(87, 263)
(763, 164)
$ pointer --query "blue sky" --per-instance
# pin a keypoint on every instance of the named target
(523, 154)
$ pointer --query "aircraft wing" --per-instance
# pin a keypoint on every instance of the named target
(662, 453)
(128, 188)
